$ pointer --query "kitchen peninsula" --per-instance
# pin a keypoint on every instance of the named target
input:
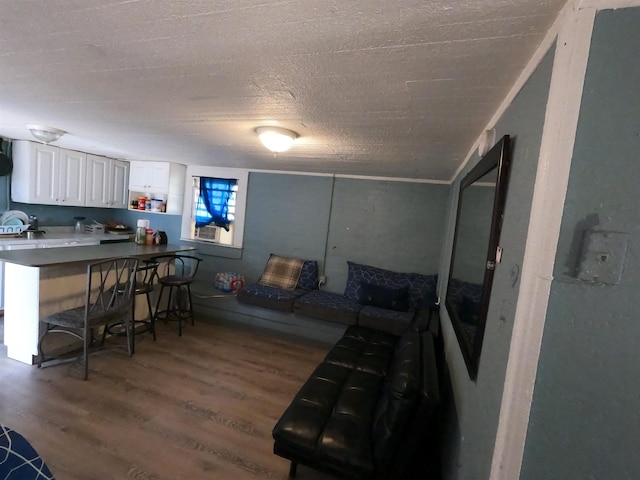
(40, 282)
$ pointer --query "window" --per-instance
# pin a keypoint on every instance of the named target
(214, 207)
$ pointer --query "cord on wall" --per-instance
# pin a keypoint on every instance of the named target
(323, 278)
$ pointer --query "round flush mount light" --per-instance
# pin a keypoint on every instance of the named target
(45, 134)
(276, 139)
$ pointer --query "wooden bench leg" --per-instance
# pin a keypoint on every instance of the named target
(292, 470)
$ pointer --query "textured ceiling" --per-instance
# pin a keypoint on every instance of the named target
(383, 88)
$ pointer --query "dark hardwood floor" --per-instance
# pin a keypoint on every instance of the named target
(201, 406)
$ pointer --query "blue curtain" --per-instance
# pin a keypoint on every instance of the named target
(213, 202)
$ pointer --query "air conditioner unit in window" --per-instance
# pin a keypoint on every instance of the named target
(210, 233)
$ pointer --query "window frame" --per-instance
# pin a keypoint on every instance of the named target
(242, 178)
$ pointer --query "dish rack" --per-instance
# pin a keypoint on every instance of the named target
(12, 229)
(94, 228)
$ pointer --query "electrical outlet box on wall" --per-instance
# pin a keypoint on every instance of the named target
(602, 257)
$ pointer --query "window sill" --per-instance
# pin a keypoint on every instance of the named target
(215, 249)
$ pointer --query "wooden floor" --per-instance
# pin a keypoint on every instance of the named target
(197, 407)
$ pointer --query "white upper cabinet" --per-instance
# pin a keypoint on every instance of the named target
(107, 180)
(158, 180)
(118, 184)
(48, 175)
(97, 181)
(73, 167)
(150, 177)
(56, 176)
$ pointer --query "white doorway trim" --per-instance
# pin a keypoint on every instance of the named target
(556, 150)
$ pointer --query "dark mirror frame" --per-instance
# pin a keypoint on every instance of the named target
(498, 158)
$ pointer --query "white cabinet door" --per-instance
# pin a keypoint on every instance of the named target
(138, 176)
(160, 172)
(72, 178)
(36, 173)
(150, 177)
(107, 181)
(118, 184)
(46, 174)
(97, 193)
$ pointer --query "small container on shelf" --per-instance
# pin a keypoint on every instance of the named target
(155, 204)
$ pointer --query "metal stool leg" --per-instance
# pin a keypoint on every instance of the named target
(131, 335)
(190, 304)
(152, 319)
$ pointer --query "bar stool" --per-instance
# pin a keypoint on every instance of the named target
(108, 299)
(176, 273)
(143, 285)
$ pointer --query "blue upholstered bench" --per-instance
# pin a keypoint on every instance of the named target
(373, 297)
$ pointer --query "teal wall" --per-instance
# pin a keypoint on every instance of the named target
(472, 421)
(395, 225)
(585, 415)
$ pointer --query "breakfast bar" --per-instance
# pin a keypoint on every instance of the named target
(40, 282)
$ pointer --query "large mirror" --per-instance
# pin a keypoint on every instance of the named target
(475, 249)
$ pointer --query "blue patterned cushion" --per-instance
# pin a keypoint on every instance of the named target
(421, 287)
(392, 298)
(272, 293)
(359, 274)
(309, 276)
(18, 459)
(458, 290)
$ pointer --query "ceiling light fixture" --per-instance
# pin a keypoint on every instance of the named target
(45, 134)
(276, 139)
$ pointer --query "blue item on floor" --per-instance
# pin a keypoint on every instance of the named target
(18, 459)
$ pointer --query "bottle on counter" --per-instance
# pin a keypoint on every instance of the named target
(141, 235)
(141, 231)
(149, 236)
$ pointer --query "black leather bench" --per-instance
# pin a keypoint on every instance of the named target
(365, 408)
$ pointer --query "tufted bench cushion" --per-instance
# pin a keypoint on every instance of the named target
(269, 297)
(328, 306)
(384, 319)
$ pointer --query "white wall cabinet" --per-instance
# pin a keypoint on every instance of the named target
(50, 175)
(47, 175)
(107, 181)
(150, 177)
(162, 180)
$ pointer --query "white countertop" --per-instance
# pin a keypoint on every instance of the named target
(56, 257)
(55, 237)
